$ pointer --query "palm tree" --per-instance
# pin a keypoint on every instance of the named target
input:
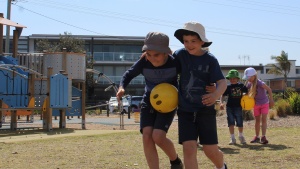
(282, 66)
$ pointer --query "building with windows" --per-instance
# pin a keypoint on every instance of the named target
(113, 55)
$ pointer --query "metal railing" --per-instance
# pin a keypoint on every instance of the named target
(117, 79)
(116, 56)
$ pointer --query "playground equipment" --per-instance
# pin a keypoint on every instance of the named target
(164, 97)
(53, 83)
(115, 88)
(25, 87)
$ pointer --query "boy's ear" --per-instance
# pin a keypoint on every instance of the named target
(202, 43)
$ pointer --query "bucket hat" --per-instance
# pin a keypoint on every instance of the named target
(157, 41)
(192, 27)
(233, 74)
(250, 71)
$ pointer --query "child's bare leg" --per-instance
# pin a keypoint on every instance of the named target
(214, 154)
(150, 148)
(159, 137)
(257, 124)
(264, 124)
(190, 154)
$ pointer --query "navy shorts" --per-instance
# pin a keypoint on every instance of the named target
(155, 119)
(234, 116)
(200, 125)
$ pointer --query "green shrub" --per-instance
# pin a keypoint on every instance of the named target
(283, 108)
(294, 101)
(289, 91)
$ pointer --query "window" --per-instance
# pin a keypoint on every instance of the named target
(290, 83)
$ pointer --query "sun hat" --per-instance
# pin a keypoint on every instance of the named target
(233, 74)
(192, 27)
(250, 71)
(157, 41)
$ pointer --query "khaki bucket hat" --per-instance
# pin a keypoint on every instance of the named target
(192, 27)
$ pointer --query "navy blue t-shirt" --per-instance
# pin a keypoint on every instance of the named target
(166, 73)
(196, 73)
(235, 93)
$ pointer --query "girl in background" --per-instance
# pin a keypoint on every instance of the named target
(257, 89)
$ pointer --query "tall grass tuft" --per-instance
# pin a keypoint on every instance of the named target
(272, 114)
(283, 108)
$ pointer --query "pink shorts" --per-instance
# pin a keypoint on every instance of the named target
(261, 109)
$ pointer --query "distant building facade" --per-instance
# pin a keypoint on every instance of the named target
(113, 55)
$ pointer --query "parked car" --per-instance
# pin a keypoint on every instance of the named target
(113, 104)
(134, 101)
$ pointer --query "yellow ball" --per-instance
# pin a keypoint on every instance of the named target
(247, 102)
(164, 98)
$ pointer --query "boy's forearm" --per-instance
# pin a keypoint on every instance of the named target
(221, 87)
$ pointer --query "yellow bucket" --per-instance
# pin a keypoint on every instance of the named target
(136, 116)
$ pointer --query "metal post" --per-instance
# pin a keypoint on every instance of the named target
(48, 114)
(13, 122)
(83, 105)
(1, 36)
(7, 40)
(62, 118)
(15, 44)
(1, 114)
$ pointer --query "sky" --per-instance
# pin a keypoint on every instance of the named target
(243, 32)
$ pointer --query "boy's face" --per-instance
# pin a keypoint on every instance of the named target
(234, 80)
(193, 44)
(156, 58)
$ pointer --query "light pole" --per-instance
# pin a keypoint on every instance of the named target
(7, 39)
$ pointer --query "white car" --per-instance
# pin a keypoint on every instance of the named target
(113, 104)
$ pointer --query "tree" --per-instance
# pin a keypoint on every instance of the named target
(65, 41)
(282, 66)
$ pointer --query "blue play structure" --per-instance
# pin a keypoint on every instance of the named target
(15, 90)
(40, 82)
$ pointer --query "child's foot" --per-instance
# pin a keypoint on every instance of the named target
(242, 139)
(177, 165)
(264, 140)
(232, 141)
(255, 140)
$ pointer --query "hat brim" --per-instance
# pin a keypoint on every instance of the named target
(180, 32)
(157, 48)
(229, 76)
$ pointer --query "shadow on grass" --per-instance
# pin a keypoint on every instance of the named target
(256, 147)
(34, 131)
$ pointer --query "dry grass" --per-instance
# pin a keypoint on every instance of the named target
(124, 149)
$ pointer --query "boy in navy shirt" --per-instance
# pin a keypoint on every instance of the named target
(158, 66)
(196, 113)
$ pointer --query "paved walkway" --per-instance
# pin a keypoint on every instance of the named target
(112, 120)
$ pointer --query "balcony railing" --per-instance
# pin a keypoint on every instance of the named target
(116, 56)
(117, 79)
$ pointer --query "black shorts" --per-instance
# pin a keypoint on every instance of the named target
(155, 119)
(200, 125)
